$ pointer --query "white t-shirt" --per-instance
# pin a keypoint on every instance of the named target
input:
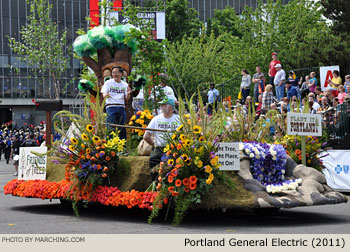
(168, 91)
(280, 75)
(160, 122)
(117, 92)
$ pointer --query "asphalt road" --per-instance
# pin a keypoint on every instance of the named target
(36, 216)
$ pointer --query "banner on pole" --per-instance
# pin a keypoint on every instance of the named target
(304, 124)
(337, 172)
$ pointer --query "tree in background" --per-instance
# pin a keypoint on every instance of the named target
(338, 12)
(181, 20)
(41, 46)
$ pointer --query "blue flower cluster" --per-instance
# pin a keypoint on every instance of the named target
(268, 161)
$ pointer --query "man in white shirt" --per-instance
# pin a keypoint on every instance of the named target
(213, 98)
(117, 93)
(279, 80)
(167, 120)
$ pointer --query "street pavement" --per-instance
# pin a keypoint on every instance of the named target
(36, 216)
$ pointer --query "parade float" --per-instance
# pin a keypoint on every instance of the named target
(228, 160)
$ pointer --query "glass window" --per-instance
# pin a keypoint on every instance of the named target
(31, 87)
(22, 8)
(3, 61)
(7, 88)
(1, 88)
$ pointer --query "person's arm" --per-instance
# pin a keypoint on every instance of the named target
(148, 137)
(128, 93)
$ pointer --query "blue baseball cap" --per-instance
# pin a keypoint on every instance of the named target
(167, 100)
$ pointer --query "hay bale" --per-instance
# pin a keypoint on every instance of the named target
(54, 172)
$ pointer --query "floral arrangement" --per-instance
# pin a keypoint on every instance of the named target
(189, 164)
(140, 119)
(313, 147)
(90, 152)
(267, 161)
(105, 195)
(284, 186)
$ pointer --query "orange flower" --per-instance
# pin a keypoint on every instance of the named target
(82, 157)
(108, 158)
(168, 153)
(138, 112)
(165, 200)
(193, 186)
(88, 156)
(103, 146)
(178, 147)
(174, 155)
(170, 188)
(175, 194)
(287, 152)
(93, 159)
(105, 168)
(97, 155)
(98, 167)
(160, 179)
(112, 153)
(178, 182)
(171, 146)
(104, 175)
(159, 185)
(98, 148)
(187, 189)
(170, 179)
(299, 157)
(186, 181)
(193, 179)
(297, 152)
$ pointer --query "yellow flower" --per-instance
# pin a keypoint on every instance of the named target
(197, 129)
(208, 169)
(186, 143)
(82, 146)
(88, 151)
(187, 116)
(201, 139)
(133, 117)
(173, 136)
(200, 164)
(96, 139)
(213, 162)
(142, 121)
(184, 157)
(146, 111)
(188, 121)
(150, 116)
(73, 140)
(211, 176)
(182, 137)
(89, 128)
(167, 147)
(180, 127)
(171, 162)
(71, 147)
(208, 181)
(137, 121)
(131, 123)
(84, 136)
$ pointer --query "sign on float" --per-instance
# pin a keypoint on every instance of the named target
(229, 158)
(304, 124)
(32, 166)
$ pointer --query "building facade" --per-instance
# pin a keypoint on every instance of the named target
(17, 88)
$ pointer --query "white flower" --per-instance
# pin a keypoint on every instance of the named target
(257, 156)
(268, 189)
(299, 180)
(274, 158)
(241, 147)
(247, 151)
(251, 155)
(273, 153)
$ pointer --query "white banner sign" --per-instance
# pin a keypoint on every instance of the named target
(31, 166)
(304, 124)
(228, 154)
(337, 170)
(326, 73)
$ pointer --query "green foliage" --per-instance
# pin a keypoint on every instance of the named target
(41, 46)
(339, 13)
(181, 20)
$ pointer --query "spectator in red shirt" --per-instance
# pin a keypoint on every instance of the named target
(272, 70)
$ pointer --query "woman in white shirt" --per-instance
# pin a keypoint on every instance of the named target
(245, 84)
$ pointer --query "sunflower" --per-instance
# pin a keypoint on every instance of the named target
(197, 129)
(73, 140)
(182, 137)
(180, 127)
(88, 151)
(171, 162)
(71, 147)
(96, 139)
(89, 128)
(184, 157)
(201, 139)
(188, 162)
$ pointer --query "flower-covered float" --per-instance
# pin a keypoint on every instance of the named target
(89, 163)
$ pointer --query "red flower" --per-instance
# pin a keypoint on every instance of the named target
(178, 183)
